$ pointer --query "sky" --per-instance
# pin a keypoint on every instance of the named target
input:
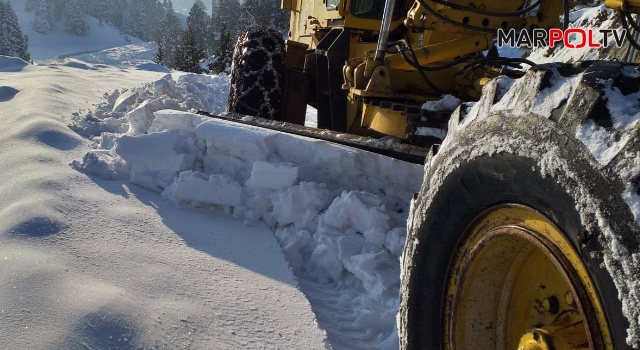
(183, 6)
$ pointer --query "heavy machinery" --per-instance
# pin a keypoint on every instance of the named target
(522, 236)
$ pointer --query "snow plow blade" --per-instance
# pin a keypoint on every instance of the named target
(390, 148)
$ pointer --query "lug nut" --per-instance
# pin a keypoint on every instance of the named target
(568, 298)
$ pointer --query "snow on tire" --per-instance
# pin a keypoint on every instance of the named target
(257, 76)
(565, 141)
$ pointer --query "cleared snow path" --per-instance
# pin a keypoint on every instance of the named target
(338, 213)
(91, 263)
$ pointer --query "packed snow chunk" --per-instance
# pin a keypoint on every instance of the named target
(395, 239)
(446, 104)
(175, 120)
(244, 142)
(378, 272)
(12, 64)
(196, 187)
(349, 246)
(361, 211)
(102, 164)
(155, 181)
(300, 204)
(142, 117)
(272, 176)
(295, 245)
(155, 152)
(124, 101)
(329, 266)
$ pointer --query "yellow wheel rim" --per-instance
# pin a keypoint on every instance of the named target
(516, 282)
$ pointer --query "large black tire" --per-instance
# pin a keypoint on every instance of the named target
(257, 75)
(505, 152)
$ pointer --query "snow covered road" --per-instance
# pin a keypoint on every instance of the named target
(91, 263)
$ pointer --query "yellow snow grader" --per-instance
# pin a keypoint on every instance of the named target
(523, 235)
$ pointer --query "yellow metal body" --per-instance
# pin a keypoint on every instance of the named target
(513, 285)
(395, 122)
(430, 29)
(435, 42)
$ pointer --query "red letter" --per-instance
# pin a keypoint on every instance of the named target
(570, 31)
(592, 44)
(555, 34)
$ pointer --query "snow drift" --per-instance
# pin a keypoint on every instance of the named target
(339, 213)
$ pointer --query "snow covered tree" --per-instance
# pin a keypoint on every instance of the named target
(45, 18)
(223, 53)
(12, 42)
(76, 18)
(198, 22)
(227, 12)
(30, 5)
(189, 54)
(102, 10)
(160, 56)
(168, 35)
(264, 13)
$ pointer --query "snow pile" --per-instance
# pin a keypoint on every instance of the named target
(133, 109)
(339, 213)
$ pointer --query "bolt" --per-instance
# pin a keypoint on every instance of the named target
(568, 298)
(551, 305)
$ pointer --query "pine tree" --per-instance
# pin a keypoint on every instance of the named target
(198, 21)
(45, 19)
(227, 12)
(76, 18)
(160, 56)
(30, 5)
(102, 10)
(223, 53)
(189, 54)
(12, 41)
(264, 13)
(169, 34)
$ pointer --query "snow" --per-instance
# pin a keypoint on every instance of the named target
(338, 213)
(60, 44)
(89, 262)
(174, 230)
(446, 103)
(11, 64)
(331, 215)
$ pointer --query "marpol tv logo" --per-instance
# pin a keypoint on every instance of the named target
(572, 38)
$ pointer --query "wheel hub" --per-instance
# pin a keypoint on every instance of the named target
(517, 283)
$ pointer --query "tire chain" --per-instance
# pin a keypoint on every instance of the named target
(267, 46)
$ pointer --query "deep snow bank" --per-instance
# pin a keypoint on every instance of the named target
(339, 213)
